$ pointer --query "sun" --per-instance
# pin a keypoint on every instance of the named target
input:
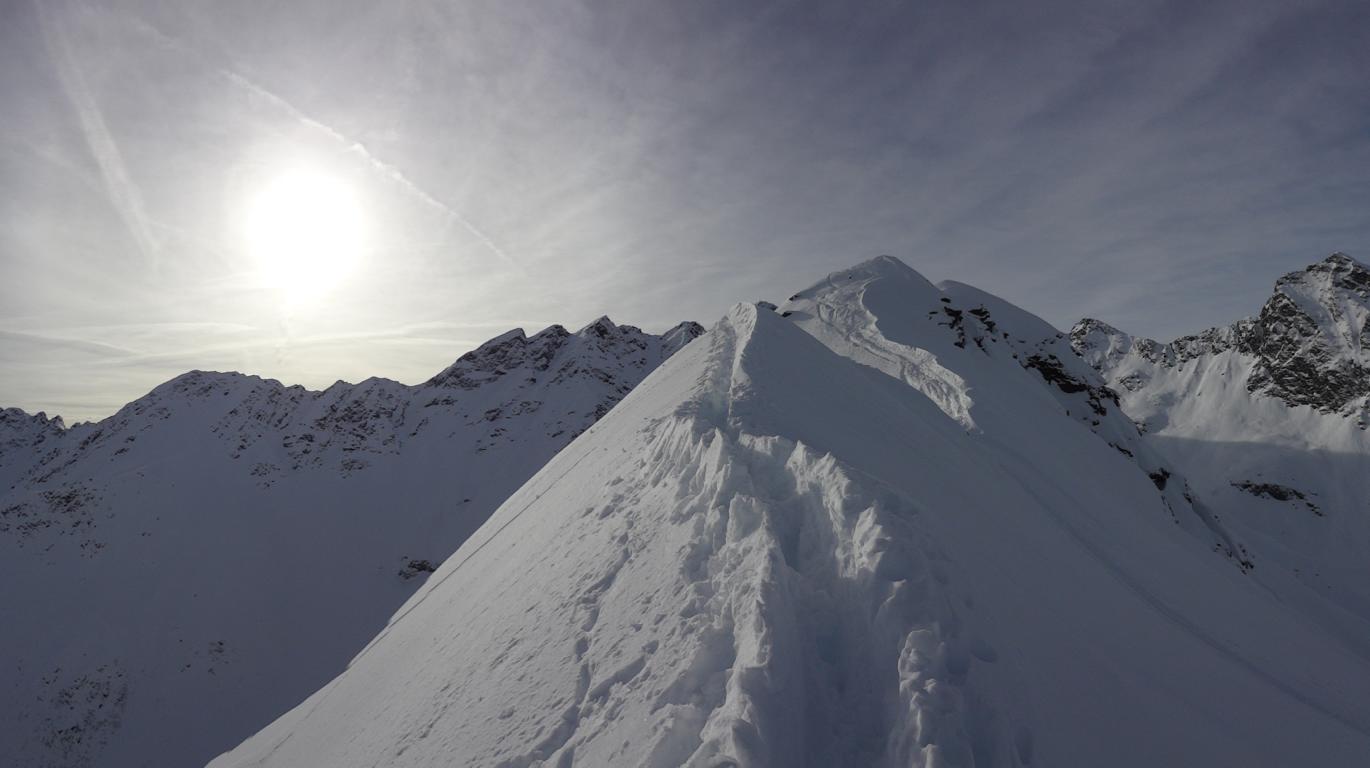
(304, 232)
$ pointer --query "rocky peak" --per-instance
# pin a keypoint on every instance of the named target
(1307, 340)
(19, 420)
(602, 327)
(595, 344)
(680, 335)
(1309, 336)
(197, 384)
(1338, 270)
(1099, 343)
(21, 431)
(498, 356)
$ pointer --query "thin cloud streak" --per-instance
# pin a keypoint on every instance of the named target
(384, 169)
(1154, 163)
(123, 194)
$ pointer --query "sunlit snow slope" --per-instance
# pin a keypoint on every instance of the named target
(864, 546)
(179, 574)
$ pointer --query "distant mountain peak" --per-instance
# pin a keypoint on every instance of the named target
(279, 525)
(600, 326)
(1310, 336)
(884, 266)
(22, 432)
(1308, 341)
(1336, 263)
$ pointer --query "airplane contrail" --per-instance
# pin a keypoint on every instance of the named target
(385, 169)
(130, 202)
(123, 193)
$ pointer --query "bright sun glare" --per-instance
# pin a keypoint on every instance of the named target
(304, 230)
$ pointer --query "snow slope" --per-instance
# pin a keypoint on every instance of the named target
(177, 575)
(856, 545)
(1266, 417)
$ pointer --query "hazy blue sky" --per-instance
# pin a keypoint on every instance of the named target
(522, 163)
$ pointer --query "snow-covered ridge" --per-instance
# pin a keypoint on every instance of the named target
(788, 547)
(345, 422)
(989, 365)
(225, 543)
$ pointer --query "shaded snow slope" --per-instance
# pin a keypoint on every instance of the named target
(772, 555)
(179, 574)
(1266, 418)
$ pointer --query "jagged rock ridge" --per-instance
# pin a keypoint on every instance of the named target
(1307, 340)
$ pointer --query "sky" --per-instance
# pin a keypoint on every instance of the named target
(518, 163)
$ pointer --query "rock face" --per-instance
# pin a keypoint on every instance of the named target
(1309, 337)
(225, 543)
(1306, 343)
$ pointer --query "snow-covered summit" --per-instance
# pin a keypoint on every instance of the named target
(993, 367)
(794, 545)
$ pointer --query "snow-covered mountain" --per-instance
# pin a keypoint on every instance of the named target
(1267, 418)
(1304, 348)
(180, 573)
(890, 523)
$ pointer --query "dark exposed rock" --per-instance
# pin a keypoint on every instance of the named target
(1302, 362)
(415, 566)
(955, 323)
(77, 713)
(1049, 367)
(1278, 493)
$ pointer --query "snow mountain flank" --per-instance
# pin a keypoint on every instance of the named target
(183, 571)
(889, 523)
(1267, 418)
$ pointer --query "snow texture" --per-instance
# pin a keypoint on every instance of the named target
(891, 524)
(182, 572)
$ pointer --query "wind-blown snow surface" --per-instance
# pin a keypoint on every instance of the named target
(179, 574)
(1266, 418)
(772, 554)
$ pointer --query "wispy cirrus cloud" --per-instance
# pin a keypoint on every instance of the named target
(124, 195)
(1155, 163)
